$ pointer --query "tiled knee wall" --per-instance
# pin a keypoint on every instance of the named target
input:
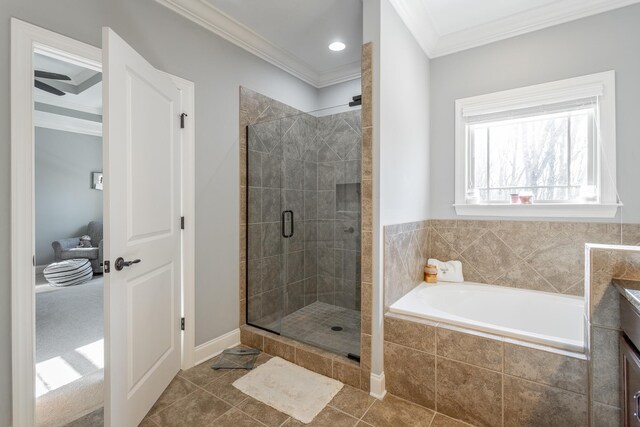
(483, 381)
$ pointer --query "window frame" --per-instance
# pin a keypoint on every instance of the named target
(601, 85)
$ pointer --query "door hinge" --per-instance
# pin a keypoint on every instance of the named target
(107, 266)
(182, 116)
(33, 260)
(182, 223)
(182, 324)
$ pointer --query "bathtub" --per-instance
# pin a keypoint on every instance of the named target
(544, 318)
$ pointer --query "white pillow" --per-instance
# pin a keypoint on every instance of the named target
(449, 271)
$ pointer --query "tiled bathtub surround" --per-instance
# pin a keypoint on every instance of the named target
(480, 380)
(605, 263)
(406, 249)
(544, 256)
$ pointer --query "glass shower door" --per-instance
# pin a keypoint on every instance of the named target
(322, 187)
(303, 229)
(265, 226)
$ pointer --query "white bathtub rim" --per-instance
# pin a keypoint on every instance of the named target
(564, 344)
(413, 318)
(546, 340)
(536, 346)
(492, 336)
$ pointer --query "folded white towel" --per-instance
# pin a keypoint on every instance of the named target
(449, 271)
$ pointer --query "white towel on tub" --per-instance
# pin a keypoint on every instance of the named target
(449, 271)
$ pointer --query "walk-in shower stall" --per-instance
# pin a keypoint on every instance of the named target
(303, 228)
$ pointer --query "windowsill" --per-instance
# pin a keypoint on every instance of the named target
(546, 210)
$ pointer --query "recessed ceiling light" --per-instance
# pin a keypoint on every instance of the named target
(337, 46)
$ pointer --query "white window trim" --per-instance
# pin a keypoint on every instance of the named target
(600, 84)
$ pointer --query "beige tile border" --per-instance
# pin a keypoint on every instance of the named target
(366, 250)
(312, 358)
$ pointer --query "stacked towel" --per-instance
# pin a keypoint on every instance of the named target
(449, 271)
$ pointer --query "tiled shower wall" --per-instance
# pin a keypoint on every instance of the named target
(311, 166)
(339, 172)
(544, 256)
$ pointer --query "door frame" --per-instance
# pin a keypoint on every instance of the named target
(25, 38)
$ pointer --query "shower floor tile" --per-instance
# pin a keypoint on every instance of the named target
(313, 325)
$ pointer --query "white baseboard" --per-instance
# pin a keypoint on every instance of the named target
(378, 389)
(206, 351)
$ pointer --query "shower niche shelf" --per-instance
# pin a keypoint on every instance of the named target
(348, 197)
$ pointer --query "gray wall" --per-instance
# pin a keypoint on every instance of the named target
(65, 201)
(609, 41)
(400, 118)
(404, 123)
(218, 68)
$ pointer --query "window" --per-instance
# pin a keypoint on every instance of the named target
(544, 150)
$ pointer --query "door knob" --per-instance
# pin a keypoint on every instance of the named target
(121, 263)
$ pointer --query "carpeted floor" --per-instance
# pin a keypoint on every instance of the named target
(69, 351)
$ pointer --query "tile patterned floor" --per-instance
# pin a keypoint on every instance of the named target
(202, 397)
(312, 325)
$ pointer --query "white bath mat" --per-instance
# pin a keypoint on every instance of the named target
(289, 388)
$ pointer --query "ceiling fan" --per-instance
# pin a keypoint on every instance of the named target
(47, 75)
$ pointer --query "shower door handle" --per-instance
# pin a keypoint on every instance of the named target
(284, 224)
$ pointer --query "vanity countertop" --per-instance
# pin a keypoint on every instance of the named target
(630, 289)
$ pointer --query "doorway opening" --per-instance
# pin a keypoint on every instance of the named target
(68, 184)
(60, 339)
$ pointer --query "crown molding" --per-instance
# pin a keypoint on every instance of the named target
(221, 24)
(340, 74)
(416, 17)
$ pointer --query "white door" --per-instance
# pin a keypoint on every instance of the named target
(142, 222)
